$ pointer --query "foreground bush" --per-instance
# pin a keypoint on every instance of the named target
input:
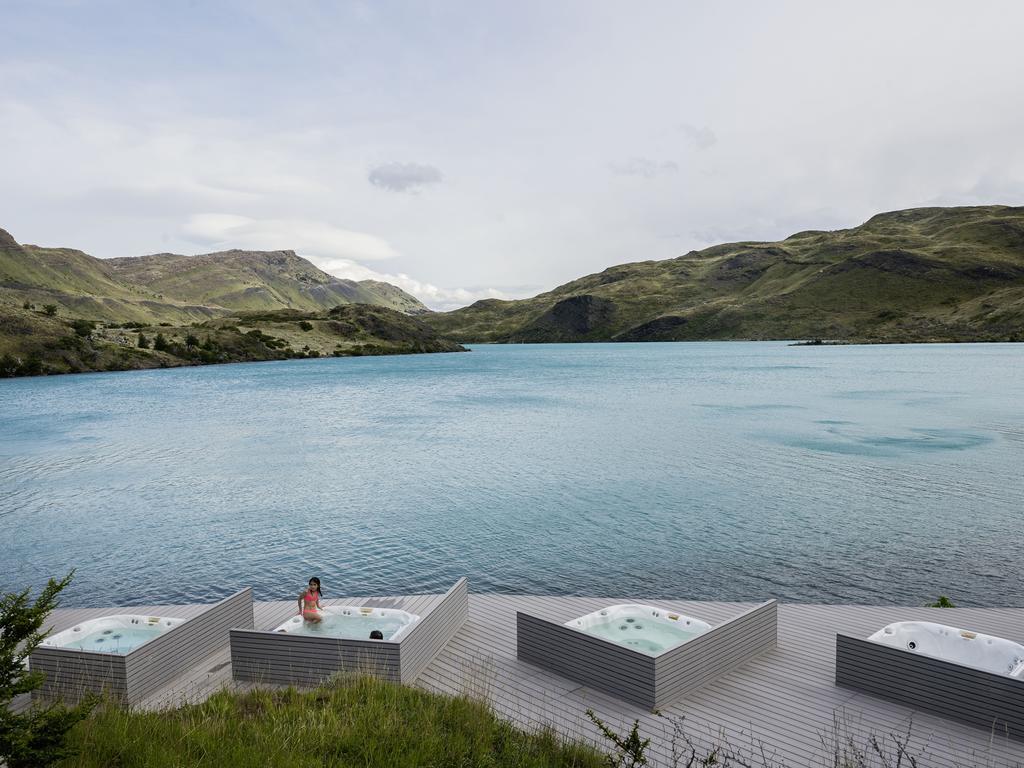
(35, 737)
(356, 722)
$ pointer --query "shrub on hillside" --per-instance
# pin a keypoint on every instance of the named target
(11, 366)
(83, 328)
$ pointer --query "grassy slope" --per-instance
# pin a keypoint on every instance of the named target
(362, 722)
(178, 289)
(919, 275)
(83, 286)
(32, 342)
(255, 280)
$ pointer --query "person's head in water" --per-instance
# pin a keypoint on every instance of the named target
(376, 635)
(314, 585)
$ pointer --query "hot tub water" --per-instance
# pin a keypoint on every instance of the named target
(641, 627)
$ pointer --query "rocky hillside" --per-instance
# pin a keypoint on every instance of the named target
(35, 342)
(927, 274)
(174, 288)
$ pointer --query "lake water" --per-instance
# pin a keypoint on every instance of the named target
(874, 474)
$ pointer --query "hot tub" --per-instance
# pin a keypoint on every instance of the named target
(112, 634)
(973, 649)
(640, 627)
(354, 623)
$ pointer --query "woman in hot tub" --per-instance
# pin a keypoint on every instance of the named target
(309, 602)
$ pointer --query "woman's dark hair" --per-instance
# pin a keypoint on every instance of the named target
(315, 580)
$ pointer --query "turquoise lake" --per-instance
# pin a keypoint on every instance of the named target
(735, 471)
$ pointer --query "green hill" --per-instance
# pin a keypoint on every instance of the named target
(63, 311)
(81, 285)
(927, 274)
(255, 280)
(181, 289)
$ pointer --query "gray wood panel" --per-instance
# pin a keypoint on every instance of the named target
(600, 664)
(434, 630)
(153, 665)
(974, 696)
(682, 670)
(70, 672)
(283, 658)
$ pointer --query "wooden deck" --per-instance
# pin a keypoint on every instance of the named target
(785, 699)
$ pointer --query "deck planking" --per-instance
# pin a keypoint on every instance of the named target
(784, 699)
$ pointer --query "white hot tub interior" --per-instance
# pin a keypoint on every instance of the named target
(961, 646)
(117, 634)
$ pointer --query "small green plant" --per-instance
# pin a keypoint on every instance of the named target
(160, 343)
(942, 602)
(50, 309)
(143, 341)
(629, 750)
(305, 325)
(35, 737)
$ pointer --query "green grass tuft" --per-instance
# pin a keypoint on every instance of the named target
(350, 722)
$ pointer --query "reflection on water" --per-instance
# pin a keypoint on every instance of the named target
(911, 442)
(716, 471)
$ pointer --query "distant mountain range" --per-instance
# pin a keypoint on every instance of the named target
(167, 287)
(924, 274)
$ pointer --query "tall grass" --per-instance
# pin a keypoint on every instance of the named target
(349, 722)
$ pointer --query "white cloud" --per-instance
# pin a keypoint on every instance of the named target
(440, 299)
(335, 250)
(525, 113)
(224, 231)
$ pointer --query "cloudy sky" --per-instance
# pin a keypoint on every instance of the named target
(472, 149)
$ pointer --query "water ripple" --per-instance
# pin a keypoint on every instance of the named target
(705, 471)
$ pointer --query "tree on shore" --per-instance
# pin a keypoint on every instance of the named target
(143, 341)
(83, 328)
(160, 343)
(35, 737)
